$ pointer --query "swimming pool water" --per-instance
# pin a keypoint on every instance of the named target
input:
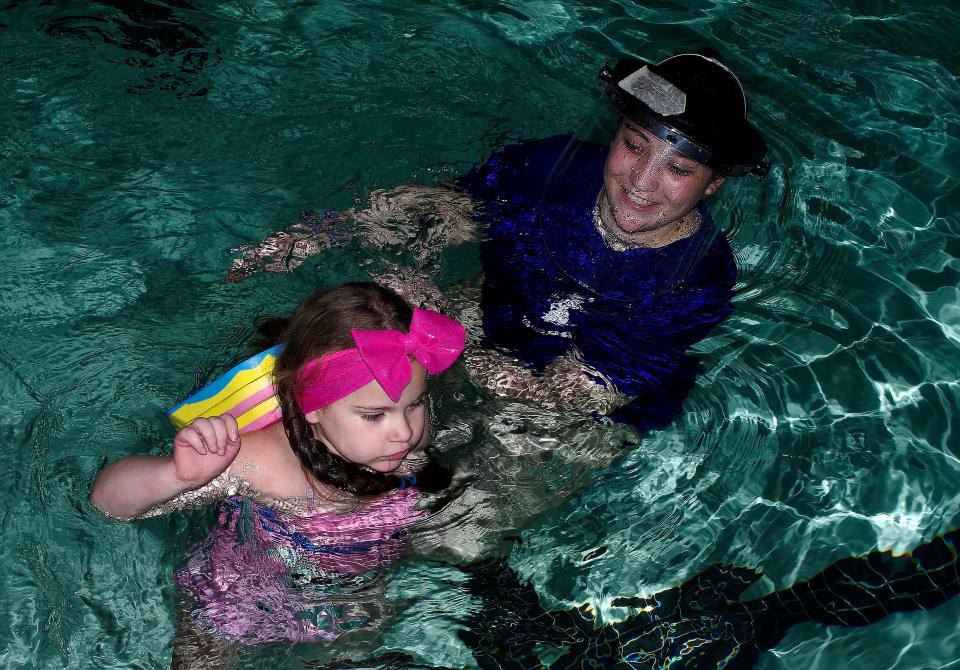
(139, 146)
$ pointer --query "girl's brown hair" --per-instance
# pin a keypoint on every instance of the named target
(321, 325)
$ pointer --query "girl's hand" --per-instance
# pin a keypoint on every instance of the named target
(205, 448)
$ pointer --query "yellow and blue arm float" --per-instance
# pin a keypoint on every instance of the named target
(245, 391)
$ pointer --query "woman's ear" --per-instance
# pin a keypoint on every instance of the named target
(714, 185)
(313, 417)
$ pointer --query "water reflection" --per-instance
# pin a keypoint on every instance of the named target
(167, 50)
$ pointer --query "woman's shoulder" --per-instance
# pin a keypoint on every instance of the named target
(519, 167)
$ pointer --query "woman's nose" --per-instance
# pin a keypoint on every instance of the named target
(645, 173)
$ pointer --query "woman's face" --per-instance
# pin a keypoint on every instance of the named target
(649, 188)
(369, 429)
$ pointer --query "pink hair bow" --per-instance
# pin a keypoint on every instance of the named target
(434, 340)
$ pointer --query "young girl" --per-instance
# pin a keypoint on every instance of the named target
(316, 499)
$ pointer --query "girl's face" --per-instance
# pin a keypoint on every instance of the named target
(369, 429)
(649, 188)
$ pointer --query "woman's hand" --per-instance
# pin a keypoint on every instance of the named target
(283, 251)
(205, 448)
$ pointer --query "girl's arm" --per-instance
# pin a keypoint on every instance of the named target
(128, 488)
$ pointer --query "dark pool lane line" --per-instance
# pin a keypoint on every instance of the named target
(701, 623)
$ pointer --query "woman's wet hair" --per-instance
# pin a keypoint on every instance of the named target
(321, 325)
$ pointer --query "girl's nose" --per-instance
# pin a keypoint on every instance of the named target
(401, 431)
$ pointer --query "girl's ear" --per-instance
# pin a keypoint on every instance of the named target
(312, 417)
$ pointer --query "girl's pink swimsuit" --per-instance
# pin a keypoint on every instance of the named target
(263, 575)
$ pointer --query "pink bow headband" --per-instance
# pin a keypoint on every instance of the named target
(434, 340)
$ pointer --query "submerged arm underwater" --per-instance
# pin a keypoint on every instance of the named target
(422, 219)
(566, 383)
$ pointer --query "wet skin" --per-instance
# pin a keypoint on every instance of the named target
(650, 189)
(367, 428)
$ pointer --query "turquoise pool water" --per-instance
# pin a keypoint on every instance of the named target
(138, 148)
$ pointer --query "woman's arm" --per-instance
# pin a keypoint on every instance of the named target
(425, 219)
(567, 383)
(130, 487)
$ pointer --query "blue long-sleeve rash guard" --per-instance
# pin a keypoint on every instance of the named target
(551, 283)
